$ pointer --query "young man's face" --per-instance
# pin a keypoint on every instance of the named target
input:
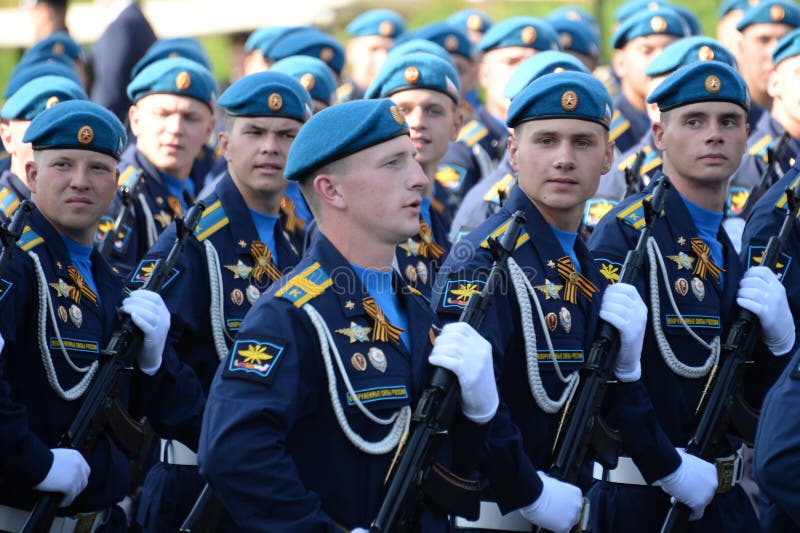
(702, 143)
(12, 132)
(755, 54)
(494, 71)
(559, 163)
(256, 149)
(72, 189)
(782, 87)
(633, 59)
(171, 130)
(433, 120)
(365, 56)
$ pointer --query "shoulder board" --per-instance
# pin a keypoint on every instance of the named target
(450, 176)
(737, 197)
(619, 125)
(651, 161)
(128, 176)
(781, 203)
(9, 201)
(493, 196)
(472, 132)
(29, 239)
(437, 206)
(595, 209)
(344, 91)
(759, 148)
(523, 236)
(633, 215)
(213, 219)
(305, 286)
(628, 161)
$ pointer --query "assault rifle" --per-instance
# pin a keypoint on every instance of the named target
(716, 409)
(632, 174)
(774, 156)
(131, 183)
(433, 416)
(11, 232)
(120, 353)
(581, 428)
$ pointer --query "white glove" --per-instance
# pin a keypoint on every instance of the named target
(359, 530)
(2, 343)
(694, 483)
(557, 508)
(69, 474)
(623, 308)
(462, 350)
(761, 293)
(734, 227)
(150, 315)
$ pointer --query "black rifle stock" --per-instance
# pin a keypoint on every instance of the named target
(774, 156)
(632, 174)
(120, 353)
(581, 428)
(128, 191)
(11, 232)
(724, 381)
(434, 411)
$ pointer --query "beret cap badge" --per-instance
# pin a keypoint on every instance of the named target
(397, 115)
(474, 23)
(326, 54)
(658, 24)
(528, 34)
(713, 84)
(53, 100)
(569, 101)
(275, 102)
(705, 53)
(451, 43)
(85, 135)
(183, 81)
(307, 81)
(777, 13)
(386, 28)
(411, 74)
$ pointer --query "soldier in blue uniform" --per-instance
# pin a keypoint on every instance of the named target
(240, 248)
(729, 14)
(372, 34)
(637, 41)
(335, 353)
(59, 308)
(560, 147)
(579, 39)
(308, 41)
(57, 44)
(691, 279)
(172, 118)
(17, 113)
(474, 21)
(426, 90)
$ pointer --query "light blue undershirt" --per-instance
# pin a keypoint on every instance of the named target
(379, 286)
(707, 224)
(79, 255)
(177, 187)
(425, 211)
(567, 241)
(265, 226)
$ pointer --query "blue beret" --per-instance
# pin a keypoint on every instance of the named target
(403, 47)
(40, 94)
(450, 37)
(187, 47)
(25, 72)
(693, 25)
(734, 5)
(662, 21)
(539, 65)
(381, 22)
(771, 11)
(704, 81)
(632, 7)
(263, 37)
(308, 42)
(574, 95)
(788, 46)
(267, 94)
(471, 19)
(342, 130)
(175, 75)
(313, 74)
(575, 13)
(418, 70)
(58, 43)
(686, 51)
(576, 36)
(77, 124)
(529, 32)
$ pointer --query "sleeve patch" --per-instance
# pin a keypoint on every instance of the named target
(609, 269)
(458, 291)
(756, 253)
(254, 360)
(121, 239)
(5, 288)
(737, 197)
(145, 269)
(450, 176)
(595, 209)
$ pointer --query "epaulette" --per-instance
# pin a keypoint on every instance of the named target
(628, 161)
(737, 197)
(492, 196)
(450, 176)
(472, 132)
(651, 160)
(344, 92)
(619, 125)
(595, 209)
(437, 206)
(633, 215)
(29, 239)
(781, 203)
(213, 219)
(305, 286)
(9, 201)
(128, 177)
(759, 148)
(523, 236)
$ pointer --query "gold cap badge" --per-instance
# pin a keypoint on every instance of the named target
(411, 74)
(386, 28)
(451, 43)
(474, 23)
(173, 54)
(326, 54)
(705, 53)
(397, 115)
(658, 24)
(275, 102)
(307, 81)
(569, 101)
(776, 13)
(53, 100)
(183, 81)
(559, 69)
(85, 135)
(566, 40)
(573, 15)
(528, 35)
(713, 84)
(58, 49)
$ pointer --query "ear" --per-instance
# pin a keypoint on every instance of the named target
(618, 63)
(133, 120)
(458, 122)
(327, 188)
(513, 150)
(5, 134)
(212, 125)
(32, 174)
(774, 84)
(483, 73)
(223, 144)
(658, 135)
(608, 159)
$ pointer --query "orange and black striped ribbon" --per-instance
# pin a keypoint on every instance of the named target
(704, 265)
(291, 222)
(262, 262)
(427, 246)
(382, 329)
(574, 281)
(81, 287)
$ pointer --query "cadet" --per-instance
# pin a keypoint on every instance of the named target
(427, 92)
(578, 38)
(690, 279)
(776, 453)
(172, 118)
(474, 21)
(560, 148)
(372, 34)
(240, 248)
(338, 349)
(27, 102)
(57, 44)
(728, 16)
(307, 41)
(59, 309)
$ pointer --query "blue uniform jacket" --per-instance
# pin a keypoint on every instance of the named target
(32, 416)
(522, 435)
(456, 174)
(485, 129)
(416, 261)
(613, 186)
(628, 124)
(12, 192)
(271, 446)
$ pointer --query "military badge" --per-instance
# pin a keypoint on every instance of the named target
(565, 318)
(457, 292)
(145, 268)
(359, 362)
(349, 305)
(183, 81)
(698, 288)
(713, 84)
(658, 24)
(528, 35)
(595, 209)
(411, 273)
(75, 315)
(756, 253)
(609, 269)
(355, 332)
(683, 260)
(422, 270)
(377, 359)
(569, 101)
(411, 74)
(550, 290)
(62, 313)
(252, 294)
(237, 297)
(163, 218)
(253, 359)
(240, 270)
(62, 288)
(552, 321)
(85, 135)
(682, 286)
(175, 205)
